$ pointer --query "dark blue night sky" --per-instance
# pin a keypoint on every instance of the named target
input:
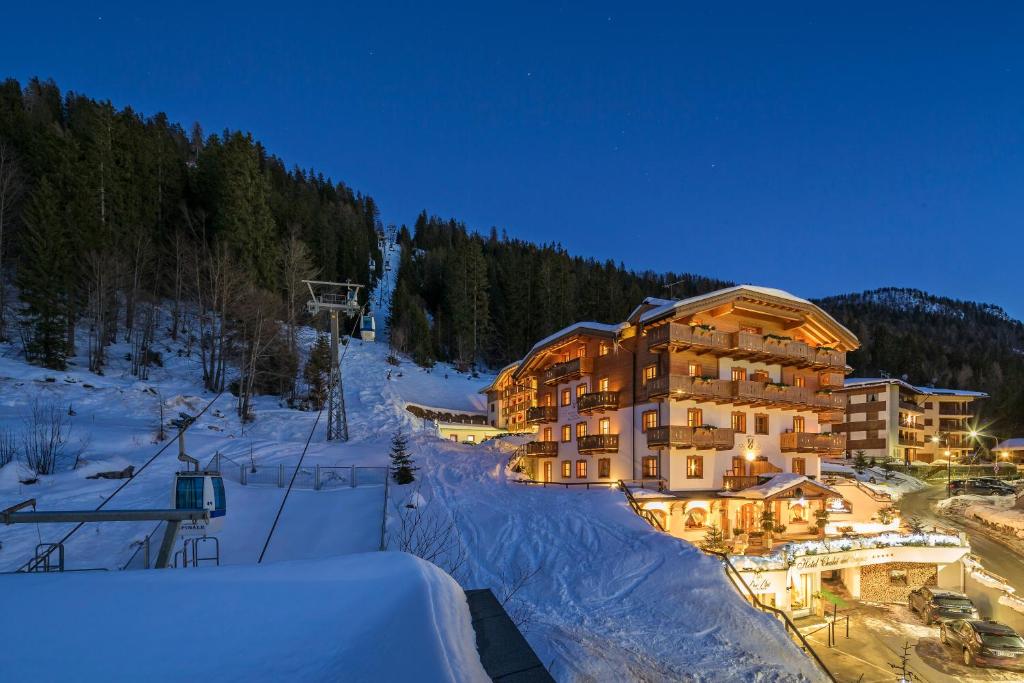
(811, 147)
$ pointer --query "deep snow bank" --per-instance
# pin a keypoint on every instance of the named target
(372, 616)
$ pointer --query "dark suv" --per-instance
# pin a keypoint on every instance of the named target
(985, 643)
(934, 605)
(981, 487)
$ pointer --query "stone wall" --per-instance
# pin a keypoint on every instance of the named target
(876, 584)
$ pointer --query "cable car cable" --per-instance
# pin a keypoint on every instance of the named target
(29, 566)
(309, 439)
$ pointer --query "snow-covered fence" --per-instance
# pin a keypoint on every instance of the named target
(994, 597)
(315, 477)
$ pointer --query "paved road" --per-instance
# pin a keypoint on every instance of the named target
(995, 556)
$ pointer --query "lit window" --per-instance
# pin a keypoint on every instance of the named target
(799, 466)
(581, 389)
(566, 433)
(604, 426)
(650, 420)
(602, 349)
(547, 434)
(470, 438)
(602, 384)
(760, 424)
(695, 467)
(581, 469)
(650, 372)
(566, 397)
(739, 422)
(739, 374)
(604, 468)
(581, 352)
(693, 369)
(694, 417)
(548, 400)
(566, 469)
(455, 438)
(650, 467)
(799, 381)
(581, 429)
(798, 423)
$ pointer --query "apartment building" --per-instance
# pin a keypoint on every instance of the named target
(889, 419)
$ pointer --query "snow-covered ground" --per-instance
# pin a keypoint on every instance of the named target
(601, 595)
(895, 484)
(291, 621)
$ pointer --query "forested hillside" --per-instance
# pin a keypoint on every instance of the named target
(930, 340)
(105, 211)
(469, 298)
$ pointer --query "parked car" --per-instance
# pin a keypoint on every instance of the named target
(934, 604)
(982, 487)
(984, 643)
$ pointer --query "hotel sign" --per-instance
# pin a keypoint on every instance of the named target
(856, 558)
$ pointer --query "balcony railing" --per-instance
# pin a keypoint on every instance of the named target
(738, 482)
(809, 442)
(570, 369)
(749, 391)
(674, 436)
(680, 336)
(947, 410)
(907, 440)
(541, 414)
(542, 449)
(832, 417)
(911, 424)
(911, 406)
(597, 400)
(685, 387)
(788, 351)
(598, 443)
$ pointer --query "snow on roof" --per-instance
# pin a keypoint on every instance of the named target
(775, 486)
(650, 301)
(1011, 444)
(932, 391)
(327, 619)
(604, 328)
(668, 306)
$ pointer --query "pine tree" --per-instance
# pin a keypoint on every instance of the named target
(317, 371)
(41, 277)
(402, 465)
(714, 540)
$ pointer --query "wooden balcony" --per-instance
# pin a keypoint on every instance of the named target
(805, 442)
(597, 401)
(785, 351)
(542, 449)
(679, 336)
(738, 482)
(567, 370)
(536, 415)
(910, 441)
(597, 443)
(908, 424)
(680, 387)
(911, 406)
(832, 416)
(673, 436)
(766, 394)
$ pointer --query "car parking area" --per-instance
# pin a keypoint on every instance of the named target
(877, 635)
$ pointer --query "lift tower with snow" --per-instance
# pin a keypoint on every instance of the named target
(335, 298)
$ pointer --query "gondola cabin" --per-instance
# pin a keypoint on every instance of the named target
(200, 491)
(368, 328)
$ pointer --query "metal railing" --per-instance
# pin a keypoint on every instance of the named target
(643, 513)
(567, 484)
(315, 477)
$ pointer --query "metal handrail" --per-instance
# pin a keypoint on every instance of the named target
(746, 591)
(644, 514)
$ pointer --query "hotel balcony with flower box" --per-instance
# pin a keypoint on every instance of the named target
(680, 336)
(749, 345)
(542, 449)
(597, 401)
(597, 443)
(567, 370)
(807, 442)
(680, 387)
(702, 438)
(541, 414)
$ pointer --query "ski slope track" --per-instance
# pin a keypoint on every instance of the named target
(608, 599)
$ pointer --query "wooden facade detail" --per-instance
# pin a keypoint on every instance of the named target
(805, 442)
(541, 414)
(542, 449)
(568, 370)
(701, 438)
(597, 401)
(597, 443)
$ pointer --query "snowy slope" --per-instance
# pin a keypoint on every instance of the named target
(284, 621)
(607, 598)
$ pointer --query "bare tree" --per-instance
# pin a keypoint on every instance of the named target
(100, 291)
(255, 332)
(430, 534)
(136, 257)
(296, 264)
(510, 582)
(11, 188)
(45, 436)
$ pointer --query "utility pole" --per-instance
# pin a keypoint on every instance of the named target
(335, 298)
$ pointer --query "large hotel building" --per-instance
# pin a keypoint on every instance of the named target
(717, 410)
